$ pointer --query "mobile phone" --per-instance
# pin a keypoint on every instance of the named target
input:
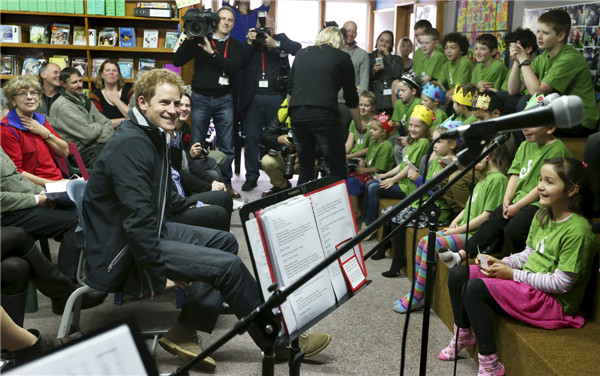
(483, 261)
(379, 60)
(411, 165)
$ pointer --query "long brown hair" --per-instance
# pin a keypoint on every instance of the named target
(99, 82)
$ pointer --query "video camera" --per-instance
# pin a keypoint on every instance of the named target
(199, 23)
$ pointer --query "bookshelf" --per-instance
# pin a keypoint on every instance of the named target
(94, 21)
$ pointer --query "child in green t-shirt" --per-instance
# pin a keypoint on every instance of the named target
(489, 71)
(509, 222)
(560, 68)
(458, 68)
(419, 29)
(432, 95)
(395, 183)
(545, 284)
(463, 103)
(379, 159)
(408, 94)
(527, 39)
(430, 67)
(358, 140)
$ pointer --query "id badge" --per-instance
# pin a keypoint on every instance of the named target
(263, 83)
(387, 91)
(224, 80)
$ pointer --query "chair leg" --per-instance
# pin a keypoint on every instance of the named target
(71, 312)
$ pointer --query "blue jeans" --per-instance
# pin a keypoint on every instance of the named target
(374, 191)
(325, 135)
(259, 113)
(207, 258)
(221, 111)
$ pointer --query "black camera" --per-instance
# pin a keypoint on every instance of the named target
(281, 83)
(199, 23)
(261, 30)
(288, 159)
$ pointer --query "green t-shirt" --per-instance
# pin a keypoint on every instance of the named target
(505, 83)
(419, 55)
(380, 156)
(361, 141)
(487, 195)
(446, 212)
(466, 120)
(569, 74)
(440, 117)
(430, 66)
(494, 74)
(459, 73)
(414, 153)
(568, 246)
(402, 111)
(528, 163)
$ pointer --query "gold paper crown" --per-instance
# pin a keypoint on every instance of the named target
(482, 102)
(460, 98)
(423, 113)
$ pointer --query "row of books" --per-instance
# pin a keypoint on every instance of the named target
(100, 7)
(60, 33)
(31, 65)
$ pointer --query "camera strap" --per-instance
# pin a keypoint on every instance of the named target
(216, 49)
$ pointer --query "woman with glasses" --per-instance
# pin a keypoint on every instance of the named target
(26, 136)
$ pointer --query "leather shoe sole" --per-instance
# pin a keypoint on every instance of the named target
(207, 364)
(233, 193)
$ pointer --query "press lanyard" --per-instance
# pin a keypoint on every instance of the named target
(216, 49)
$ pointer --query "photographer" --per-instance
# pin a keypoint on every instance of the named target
(263, 86)
(217, 58)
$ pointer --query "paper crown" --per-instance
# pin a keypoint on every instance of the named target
(534, 101)
(423, 113)
(385, 121)
(412, 80)
(435, 92)
(460, 98)
(482, 102)
(450, 124)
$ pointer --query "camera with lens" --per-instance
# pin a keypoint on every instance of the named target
(288, 159)
(261, 30)
(199, 23)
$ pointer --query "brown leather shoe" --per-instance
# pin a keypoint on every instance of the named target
(232, 192)
(271, 191)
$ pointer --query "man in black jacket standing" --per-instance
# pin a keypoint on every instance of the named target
(131, 248)
(263, 87)
(216, 61)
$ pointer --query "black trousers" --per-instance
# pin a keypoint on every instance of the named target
(216, 216)
(514, 231)
(473, 307)
(50, 223)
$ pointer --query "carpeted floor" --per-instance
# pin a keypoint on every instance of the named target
(366, 333)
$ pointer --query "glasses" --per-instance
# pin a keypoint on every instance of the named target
(33, 94)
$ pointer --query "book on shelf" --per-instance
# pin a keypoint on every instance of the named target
(145, 62)
(127, 37)
(291, 237)
(10, 34)
(96, 63)
(173, 68)
(92, 33)
(150, 38)
(80, 63)
(61, 60)
(38, 34)
(79, 37)
(108, 36)
(180, 41)
(60, 33)
(86, 92)
(126, 67)
(10, 65)
(31, 66)
(171, 38)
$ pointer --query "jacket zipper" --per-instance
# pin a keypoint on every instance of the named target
(117, 257)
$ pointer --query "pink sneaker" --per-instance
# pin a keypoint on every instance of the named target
(489, 365)
(465, 339)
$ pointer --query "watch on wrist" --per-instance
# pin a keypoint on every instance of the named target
(524, 62)
(49, 136)
(278, 44)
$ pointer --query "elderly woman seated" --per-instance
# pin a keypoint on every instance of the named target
(27, 136)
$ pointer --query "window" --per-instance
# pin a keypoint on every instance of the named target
(299, 20)
(342, 11)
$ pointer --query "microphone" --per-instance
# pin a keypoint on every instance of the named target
(563, 112)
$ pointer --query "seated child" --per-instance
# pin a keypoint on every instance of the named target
(432, 96)
(543, 285)
(358, 139)
(560, 68)
(458, 68)
(488, 193)
(444, 152)
(489, 71)
(463, 103)
(379, 159)
(430, 67)
(420, 27)
(396, 183)
(407, 92)
(485, 106)
(406, 48)
(521, 200)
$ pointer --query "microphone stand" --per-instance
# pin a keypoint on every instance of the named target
(262, 316)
